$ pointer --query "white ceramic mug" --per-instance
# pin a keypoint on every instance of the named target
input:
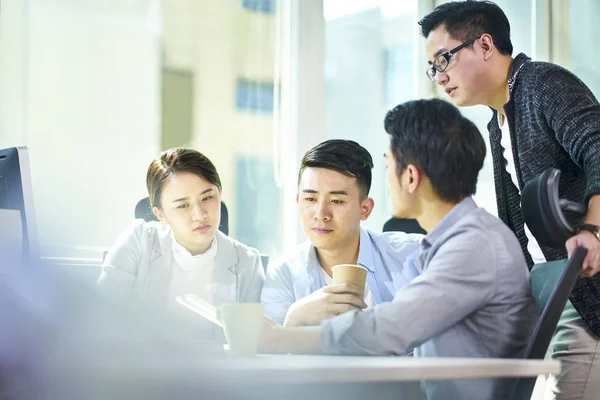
(242, 323)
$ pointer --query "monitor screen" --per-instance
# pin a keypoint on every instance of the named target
(16, 194)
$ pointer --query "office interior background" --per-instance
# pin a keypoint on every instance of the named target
(97, 88)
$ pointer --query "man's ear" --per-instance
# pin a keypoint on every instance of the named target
(159, 214)
(414, 177)
(487, 46)
(366, 207)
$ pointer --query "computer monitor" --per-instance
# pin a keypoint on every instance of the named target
(16, 193)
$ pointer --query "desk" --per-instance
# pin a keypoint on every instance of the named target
(268, 377)
(313, 368)
(303, 369)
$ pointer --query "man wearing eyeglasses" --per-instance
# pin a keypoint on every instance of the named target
(543, 116)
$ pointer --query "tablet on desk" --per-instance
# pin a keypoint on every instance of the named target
(200, 307)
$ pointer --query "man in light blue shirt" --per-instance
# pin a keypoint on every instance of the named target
(333, 187)
(473, 296)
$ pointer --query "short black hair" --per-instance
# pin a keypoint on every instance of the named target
(465, 20)
(344, 156)
(435, 137)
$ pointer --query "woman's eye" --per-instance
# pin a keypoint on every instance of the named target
(309, 198)
(207, 198)
(182, 206)
(337, 201)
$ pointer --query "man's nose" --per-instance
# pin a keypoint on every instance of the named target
(322, 212)
(441, 78)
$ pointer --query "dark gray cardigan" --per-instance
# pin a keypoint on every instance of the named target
(554, 121)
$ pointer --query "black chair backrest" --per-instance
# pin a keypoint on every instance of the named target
(403, 225)
(544, 214)
(224, 225)
(544, 329)
(144, 211)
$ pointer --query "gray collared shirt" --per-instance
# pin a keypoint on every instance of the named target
(472, 299)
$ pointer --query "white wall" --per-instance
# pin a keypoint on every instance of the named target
(13, 45)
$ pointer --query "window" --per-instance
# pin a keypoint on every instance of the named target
(584, 60)
(398, 74)
(254, 96)
(264, 6)
(368, 70)
(122, 82)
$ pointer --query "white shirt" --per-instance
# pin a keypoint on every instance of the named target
(369, 301)
(533, 247)
(192, 274)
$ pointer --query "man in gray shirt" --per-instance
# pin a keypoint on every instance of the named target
(473, 296)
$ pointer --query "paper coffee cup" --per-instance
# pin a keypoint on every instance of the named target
(350, 273)
(242, 323)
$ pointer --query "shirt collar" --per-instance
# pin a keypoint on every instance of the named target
(463, 208)
(186, 260)
(312, 261)
(518, 62)
(365, 254)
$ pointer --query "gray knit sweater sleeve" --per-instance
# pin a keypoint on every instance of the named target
(573, 114)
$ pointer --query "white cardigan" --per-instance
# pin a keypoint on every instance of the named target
(138, 267)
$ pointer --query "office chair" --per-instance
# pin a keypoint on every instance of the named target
(265, 261)
(144, 211)
(403, 225)
(544, 213)
(552, 282)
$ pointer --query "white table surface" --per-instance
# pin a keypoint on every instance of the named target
(164, 370)
(296, 368)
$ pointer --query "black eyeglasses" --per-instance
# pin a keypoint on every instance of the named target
(442, 61)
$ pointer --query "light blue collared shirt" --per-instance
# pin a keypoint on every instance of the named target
(390, 259)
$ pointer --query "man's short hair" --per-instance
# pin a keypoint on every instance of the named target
(344, 156)
(465, 20)
(444, 145)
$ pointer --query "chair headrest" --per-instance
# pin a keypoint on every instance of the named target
(144, 211)
(543, 211)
